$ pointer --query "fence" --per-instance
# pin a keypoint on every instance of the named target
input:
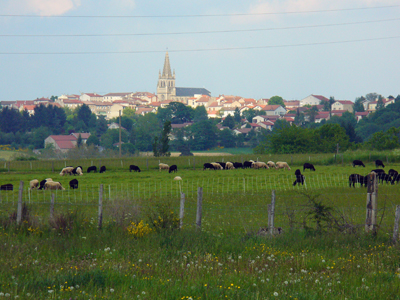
(238, 211)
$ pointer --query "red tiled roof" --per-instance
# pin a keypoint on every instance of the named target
(271, 107)
(29, 107)
(320, 97)
(345, 102)
(65, 144)
(63, 137)
(84, 135)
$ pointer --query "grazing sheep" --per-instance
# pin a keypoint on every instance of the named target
(247, 164)
(92, 168)
(73, 184)
(173, 168)
(222, 164)
(356, 178)
(53, 185)
(229, 166)
(282, 165)
(381, 175)
(208, 166)
(395, 176)
(163, 166)
(217, 166)
(177, 178)
(357, 162)
(259, 165)
(33, 184)
(134, 168)
(102, 169)
(77, 171)
(7, 187)
(67, 170)
(308, 166)
(379, 163)
(238, 165)
(299, 178)
(271, 164)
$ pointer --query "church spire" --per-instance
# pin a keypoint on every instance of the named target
(167, 67)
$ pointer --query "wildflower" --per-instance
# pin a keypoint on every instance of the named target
(111, 290)
(1, 294)
(363, 280)
(286, 282)
(323, 260)
(144, 293)
(276, 294)
(7, 295)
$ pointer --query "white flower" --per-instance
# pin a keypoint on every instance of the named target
(316, 280)
(276, 294)
(7, 295)
(358, 266)
(254, 284)
(286, 282)
(111, 290)
(363, 280)
(71, 288)
(50, 291)
(28, 294)
(323, 260)
(144, 293)
(1, 294)
(77, 286)
(107, 249)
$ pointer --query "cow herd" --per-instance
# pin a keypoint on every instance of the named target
(391, 177)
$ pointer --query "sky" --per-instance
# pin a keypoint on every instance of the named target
(253, 49)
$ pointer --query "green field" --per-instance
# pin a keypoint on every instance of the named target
(67, 257)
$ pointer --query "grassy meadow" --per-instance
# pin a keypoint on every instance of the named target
(140, 253)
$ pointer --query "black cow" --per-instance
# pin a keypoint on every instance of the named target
(134, 168)
(92, 168)
(308, 166)
(73, 184)
(379, 163)
(381, 175)
(208, 166)
(102, 169)
(356, 178)
(7, 187)
(299, 178)
(238, 165)
(394, 175)
(247, 164)
(357, 162)
(173, 168)
(222, 164)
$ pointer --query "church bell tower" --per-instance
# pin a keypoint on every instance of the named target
(166, 82)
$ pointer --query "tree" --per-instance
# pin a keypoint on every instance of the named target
(111, 137)
(93, 140)
(276, 100)
(175, 112)
(312, 113)
(83, 114)
(227, 138)
(203, 135)
(161, 145)
(237, 116)
(200, 114)
(101, 126)
(129, 113)
(299, 118)
(229, 121)
(371, 97)
(380, 104)
(79, 141)
(53, 98)
(358, 104)
(249, 114)
(331, 101)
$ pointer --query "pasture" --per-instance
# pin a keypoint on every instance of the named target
(140, 254)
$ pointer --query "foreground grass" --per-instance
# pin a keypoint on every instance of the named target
(111, 264)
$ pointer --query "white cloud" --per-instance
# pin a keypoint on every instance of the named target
(278, 6)
(41, 7)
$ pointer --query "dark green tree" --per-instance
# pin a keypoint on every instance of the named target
(203, 135)
(380, 104)
(249, 114)
(101, 126)
(276, 100)
(236, 116)
(200, 114)
(229, 121)
(312, 113)
(84, 114)
(161, 145)
(358, 104)
(227, 138)
(93, 140)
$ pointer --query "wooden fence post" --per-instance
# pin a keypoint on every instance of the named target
(194, 163)
(372, 203)
(199, 207)
(181, 210)
(271, 214)
(19, 209)
(396, 225)
(9, 163)
(100, 217)
(52, 207)
(147, 164)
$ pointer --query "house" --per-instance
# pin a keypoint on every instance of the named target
(92, 97)
(111, 97)
(71, 104)
(267, 124)
(30, 109)
(291, 105)
(226, 111)
(322, 115)
(213, 114)
(145, 110)
(343, 105)
(149, 97)
(277, 110)
(259, 119)
(313, 100)
(242, 131)
(84, 136)
(9, 104)
(204, 100)
(361, 115)
(254, 126)
(61, 143)
(41, 101)
(114, 125)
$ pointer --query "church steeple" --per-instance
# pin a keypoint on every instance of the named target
(167, 67)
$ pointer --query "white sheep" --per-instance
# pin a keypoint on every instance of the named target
(259, 165)
(53, 185)
(33, 184)
(229, 166)
(67, 170)
(271, 164)
(282, 165)
(79, 171)
(163, 166)
(177, 178)
(217, 166)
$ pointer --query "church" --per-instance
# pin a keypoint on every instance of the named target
(166, 89)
